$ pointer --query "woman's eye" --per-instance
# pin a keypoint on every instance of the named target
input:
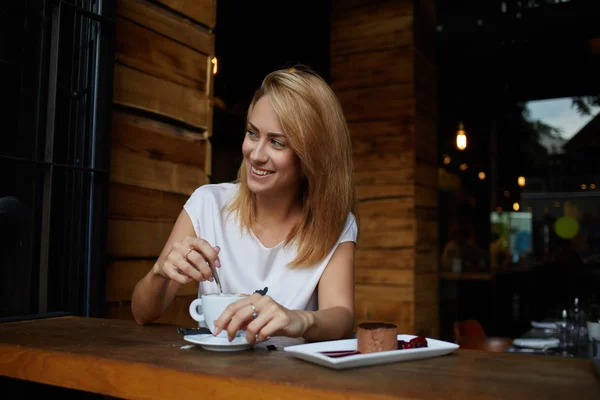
(276, 143)
(251, 134)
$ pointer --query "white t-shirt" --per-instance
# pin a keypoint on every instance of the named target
(246, 265)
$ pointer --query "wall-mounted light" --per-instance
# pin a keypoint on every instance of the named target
(521, 181)
(592, 186)
(215, 65)
(463, 166)
(447, 159)
(481, 176)
(516, 206)
(461, 137)
(583, 186)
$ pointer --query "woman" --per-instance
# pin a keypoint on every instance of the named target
(288, 223)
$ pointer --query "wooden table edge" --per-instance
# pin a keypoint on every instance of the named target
(126, 379)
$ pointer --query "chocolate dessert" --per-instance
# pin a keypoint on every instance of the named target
(374, 337)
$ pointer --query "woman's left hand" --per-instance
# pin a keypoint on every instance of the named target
(261, 317)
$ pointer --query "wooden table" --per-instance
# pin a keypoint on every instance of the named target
(121, 359)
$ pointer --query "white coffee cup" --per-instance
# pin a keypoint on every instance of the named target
(212, 306)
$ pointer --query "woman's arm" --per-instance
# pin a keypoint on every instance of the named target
(335, 318)
(175, 266)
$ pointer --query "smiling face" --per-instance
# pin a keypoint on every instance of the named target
(272, 166)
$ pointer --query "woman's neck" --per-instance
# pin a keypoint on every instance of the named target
(275, 210)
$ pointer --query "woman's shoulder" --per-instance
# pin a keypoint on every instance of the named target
(217, 193)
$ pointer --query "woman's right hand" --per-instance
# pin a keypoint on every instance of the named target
(189, 260)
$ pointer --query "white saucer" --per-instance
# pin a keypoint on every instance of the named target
(537, 343)
(210, 342)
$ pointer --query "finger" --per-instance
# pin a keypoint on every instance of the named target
(174, 274)
(270, 329)
(188, 269)
(254, 330)
(222, 323)
(241, 318)
(209, 252)
(198, 261)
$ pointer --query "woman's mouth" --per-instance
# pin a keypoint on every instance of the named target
(260, 172)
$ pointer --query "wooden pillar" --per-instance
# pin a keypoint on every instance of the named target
(161, 128)
(383, 70)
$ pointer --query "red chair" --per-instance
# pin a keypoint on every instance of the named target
(469, 334)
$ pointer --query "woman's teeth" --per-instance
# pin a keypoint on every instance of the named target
(260, 172)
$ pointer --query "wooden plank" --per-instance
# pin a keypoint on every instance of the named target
(341, 5)
(136, 239)
(375, 68)
(150, 52)
(385, 258)
(381, 25)
(399, 127)
(400, 238)
(426, 287)
(136, 89)
(426, 261)
(426, 319)
(122, 276)
(386, 214)
(177, 314)
(158, 140)
(383, 152)
(168, 24)
(384, 276)
(382, 102)
(202, 11)
(136, 203)
(384, 183)
(426, 196)
(426, 174)
(426, 235)
(391, 304)
(133, 169)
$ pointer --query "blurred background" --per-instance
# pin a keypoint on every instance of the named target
(475, 128)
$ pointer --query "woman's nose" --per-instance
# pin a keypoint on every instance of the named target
(259, 154)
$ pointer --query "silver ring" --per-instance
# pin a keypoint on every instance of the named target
(254, 313)
(188, 252)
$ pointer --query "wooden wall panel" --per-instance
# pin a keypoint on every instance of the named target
(202, 11)
(160, 144)
(365, 104)
(177, 313)
(151, 52)
(385, 79)
(370, 69)
(373, 26)
(385, 258)
(140, 204)
(130, 168)
(137, 239)
(167, 24)
(139, 90)
(385, 303)
(122, 276)
(159, 140)
(426, 192)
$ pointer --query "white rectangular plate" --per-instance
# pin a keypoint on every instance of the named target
(311, 352)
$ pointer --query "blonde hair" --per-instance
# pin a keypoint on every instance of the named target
(314, 123)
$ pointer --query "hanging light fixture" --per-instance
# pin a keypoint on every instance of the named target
(521, 181)
(461, 137)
